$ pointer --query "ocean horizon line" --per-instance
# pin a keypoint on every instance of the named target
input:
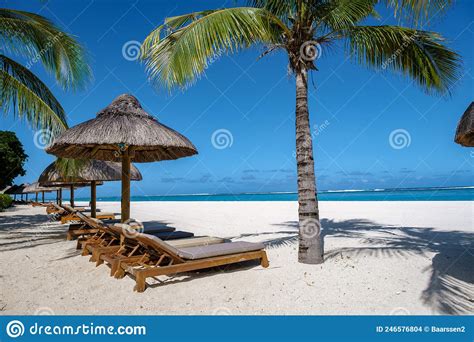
(465, 192)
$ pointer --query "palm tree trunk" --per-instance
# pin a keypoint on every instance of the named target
(310, 249)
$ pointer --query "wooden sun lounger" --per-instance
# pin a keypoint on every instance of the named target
(73, 217)
(77, 230)
(71, 214)
(164, 234)
(162, 258)
(96, 228)
(132, 251)
(53, 208)
(40, 204)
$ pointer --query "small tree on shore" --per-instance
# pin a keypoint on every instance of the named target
(12, 158)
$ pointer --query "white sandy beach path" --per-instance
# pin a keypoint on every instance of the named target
(382, 258)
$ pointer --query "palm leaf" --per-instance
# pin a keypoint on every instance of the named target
(38, 39)
(418, 10)
(418, 54)
(69, 168)
(171, 24)
(339, 14)
(26, 96)
(283, 9)
(182, 55)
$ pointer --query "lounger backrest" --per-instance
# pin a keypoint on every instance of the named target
(69, 208)
(158, 244)
(90, 221)
(57, 206)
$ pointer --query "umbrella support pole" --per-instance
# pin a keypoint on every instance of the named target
(72, 196)
(93, 198)
(42, 196)
(36, 197)
(60, 196)
(125, 185)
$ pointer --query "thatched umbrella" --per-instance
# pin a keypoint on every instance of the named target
(124, 132)
(17, 190)
(36, 188)
(59, 186)
(92, 172)
(14, 190)
(465, 131)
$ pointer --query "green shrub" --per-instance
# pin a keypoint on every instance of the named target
(5, 201)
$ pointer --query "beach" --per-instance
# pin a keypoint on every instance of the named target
(382, 258)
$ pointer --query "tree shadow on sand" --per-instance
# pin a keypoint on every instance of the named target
(27, 231)
(451, 285)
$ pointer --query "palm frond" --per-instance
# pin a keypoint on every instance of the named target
(38, 39)
(418, 54)
(171, 24)
(69, 168)
(179, 21)
(27, 97)
(418, 11)
(283, 9)
(183, 54)
(339, 14)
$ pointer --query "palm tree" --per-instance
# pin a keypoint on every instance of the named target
(37, 39)
(180, 50)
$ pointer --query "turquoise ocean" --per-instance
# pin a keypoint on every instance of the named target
(414, 194)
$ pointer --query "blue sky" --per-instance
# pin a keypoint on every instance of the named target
(354, 111)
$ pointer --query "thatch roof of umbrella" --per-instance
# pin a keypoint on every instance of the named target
(17, 189)
(465, 131)
(35, 187)
(123, 124)
(90, 170)
(124, 132)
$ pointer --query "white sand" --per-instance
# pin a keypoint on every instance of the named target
(382, 258)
